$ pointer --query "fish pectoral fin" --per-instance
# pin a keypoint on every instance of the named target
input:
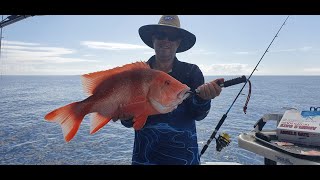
(132, 108)
(97, 122)
(139, 99)
(139, 121)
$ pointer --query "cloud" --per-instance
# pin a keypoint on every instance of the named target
(51, 69)
(16, 51)
(200, 52)
(42, 51)
(225, 69)
(89, 55)
(10, 69)
(307, 48)
(283, 50)
(304, 49)
(111, 46)
(149, 52)
(312, 70)
(242, 53)
(5, 42)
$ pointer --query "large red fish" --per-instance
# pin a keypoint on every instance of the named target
(134, 89)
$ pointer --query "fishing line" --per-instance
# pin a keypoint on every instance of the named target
(0, 47)
(224, 139)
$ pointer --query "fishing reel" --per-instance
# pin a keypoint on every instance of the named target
(222, 141)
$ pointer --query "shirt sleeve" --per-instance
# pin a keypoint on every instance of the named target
(127, 123)
(198, 107)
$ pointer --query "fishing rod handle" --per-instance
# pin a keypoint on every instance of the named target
(234, 81)
(203, 150)
(230, 82)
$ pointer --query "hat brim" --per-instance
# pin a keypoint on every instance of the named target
(147, 31)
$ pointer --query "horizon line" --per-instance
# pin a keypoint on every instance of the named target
(203, 75)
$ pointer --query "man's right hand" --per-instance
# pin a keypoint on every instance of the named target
(210, 90)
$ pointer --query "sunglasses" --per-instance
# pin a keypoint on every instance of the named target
(171, 36)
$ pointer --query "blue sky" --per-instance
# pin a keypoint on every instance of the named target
(226, 44)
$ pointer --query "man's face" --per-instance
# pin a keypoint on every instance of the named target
(166, 42)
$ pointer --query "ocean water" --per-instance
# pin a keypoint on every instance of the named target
(26, 138)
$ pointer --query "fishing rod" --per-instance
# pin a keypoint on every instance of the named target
(1, 44)
(224, 139)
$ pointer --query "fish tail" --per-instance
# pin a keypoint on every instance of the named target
(69, 117)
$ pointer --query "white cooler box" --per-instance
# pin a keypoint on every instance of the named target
(302, 127)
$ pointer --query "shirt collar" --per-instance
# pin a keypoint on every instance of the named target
(174, 66)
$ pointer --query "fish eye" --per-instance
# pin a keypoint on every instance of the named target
(167, 82)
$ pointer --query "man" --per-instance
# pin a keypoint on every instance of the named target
(172, 138)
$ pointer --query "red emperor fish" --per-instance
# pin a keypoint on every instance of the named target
(134, 89)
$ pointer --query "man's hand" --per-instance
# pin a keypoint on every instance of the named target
(210, 90)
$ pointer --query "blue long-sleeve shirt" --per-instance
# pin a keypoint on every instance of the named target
(171, 138)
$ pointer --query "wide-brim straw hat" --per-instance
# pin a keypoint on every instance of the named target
(168, 21)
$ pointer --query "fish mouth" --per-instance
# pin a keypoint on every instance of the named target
(184, 94)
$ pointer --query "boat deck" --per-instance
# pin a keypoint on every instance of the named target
(274, 154)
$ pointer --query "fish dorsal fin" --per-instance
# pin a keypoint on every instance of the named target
(92, 80)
